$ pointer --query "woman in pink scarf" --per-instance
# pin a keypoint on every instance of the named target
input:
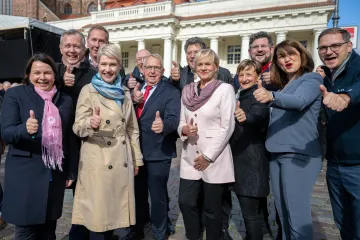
(34, 123)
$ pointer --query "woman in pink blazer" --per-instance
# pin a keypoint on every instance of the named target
(206, 125)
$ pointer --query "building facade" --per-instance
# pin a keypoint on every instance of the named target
(225, 25)
(6, 7)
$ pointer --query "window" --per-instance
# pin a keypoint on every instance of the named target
(125, 59)
(234, 54)
(44, 19)
(67, 9)
(92, 7)
(304, 43)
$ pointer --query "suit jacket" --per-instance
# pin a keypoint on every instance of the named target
(29, 198)
(166, 100)
(294, 118)
(215, 121)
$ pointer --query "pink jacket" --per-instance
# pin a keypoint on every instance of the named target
(216, 122)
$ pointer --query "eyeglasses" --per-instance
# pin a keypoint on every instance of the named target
(256, 47)
(153, 68)
(334, 47)
(190, 53)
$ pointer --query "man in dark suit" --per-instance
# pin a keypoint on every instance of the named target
(158, 112)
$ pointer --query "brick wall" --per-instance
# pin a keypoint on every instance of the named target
(26, 8)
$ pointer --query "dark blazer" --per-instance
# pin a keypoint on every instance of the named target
(29, 197)
(166, 100)
(294, 119)
(251, 164)
(187, 76)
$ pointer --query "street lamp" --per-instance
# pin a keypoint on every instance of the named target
(336, 16)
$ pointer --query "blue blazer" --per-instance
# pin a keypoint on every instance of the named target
(166, 100)
(30, 197)
(294, 117)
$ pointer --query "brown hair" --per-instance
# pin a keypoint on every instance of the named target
(101, 28)
(248, 63)
(278, 76)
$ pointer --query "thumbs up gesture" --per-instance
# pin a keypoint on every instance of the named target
(175, 71)
(336, 102)
(239, 113)
(262, 95)
(132, 82)
(138, 96)
(190, 129)
(32, 124)
(69, 78)
(158, 124)
(95, 119)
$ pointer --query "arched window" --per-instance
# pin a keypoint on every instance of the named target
(67, 9)
(92, 7)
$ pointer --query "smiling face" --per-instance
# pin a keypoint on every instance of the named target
(95, 40)
(153, 71)
(261, 51)
(289, 61)
(191, 52)
(206, 69)
(108, 69)
(42, 76)
(71, 49)
(248, 77)
(140, 57)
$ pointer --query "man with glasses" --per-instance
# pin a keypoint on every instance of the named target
(341, 98)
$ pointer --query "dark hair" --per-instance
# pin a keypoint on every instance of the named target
(345, 34)
(73, 32)
(261, 34)
(245, 64)
(278, 76)
(194, 40)
(41, 57)
(101, 28)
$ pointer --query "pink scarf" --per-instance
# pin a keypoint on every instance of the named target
(52, 153)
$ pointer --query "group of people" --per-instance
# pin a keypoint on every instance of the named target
(83, 124)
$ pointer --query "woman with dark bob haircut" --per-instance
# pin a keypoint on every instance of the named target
(292, 137)
(35, 123)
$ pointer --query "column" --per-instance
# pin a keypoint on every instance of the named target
(214, 44)
(167, 56)
(119, 44)
(315, 53)
(175, 51)
(141, 44)
(280, 36)
(183, 61)
(245, 39)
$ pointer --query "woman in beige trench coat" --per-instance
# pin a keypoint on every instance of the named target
(110, 152)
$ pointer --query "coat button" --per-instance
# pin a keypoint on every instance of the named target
(195, 115)
(124, 142)
(125, 164)
(197, 151)
(123, 120)
(110, 167)
(107, 121)
(108, 143)
(195, 143)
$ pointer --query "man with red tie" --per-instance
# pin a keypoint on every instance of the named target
(158, 112)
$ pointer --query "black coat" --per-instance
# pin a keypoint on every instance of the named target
(29, 197)
(251, 164)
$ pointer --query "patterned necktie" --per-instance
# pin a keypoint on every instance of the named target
(141, 105)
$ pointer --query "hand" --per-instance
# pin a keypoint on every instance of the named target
(132, 82)
(68, 183)
(138, 96)
(266, 77)
(320, 71)
(201, 163)
(136, 171)
(158, 124)
(32, 124)
(336, 102)
(190, 129)
(69, 78)
(95, 120)
(175, 71)
(262, 95)
(239, 113)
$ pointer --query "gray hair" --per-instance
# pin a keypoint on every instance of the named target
(261, 34)
(345, 34)
(73, 32)
(7, 83)
(194, 41)
(111, 51)
(154, 55)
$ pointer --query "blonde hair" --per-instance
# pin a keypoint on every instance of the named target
(207, 53)
(111, 51)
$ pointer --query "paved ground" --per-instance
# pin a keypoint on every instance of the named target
(321, 209)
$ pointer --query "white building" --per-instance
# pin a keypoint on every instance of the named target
(225, 25)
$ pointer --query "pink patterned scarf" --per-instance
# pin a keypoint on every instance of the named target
(52, 153)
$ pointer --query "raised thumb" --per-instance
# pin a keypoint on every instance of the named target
(68, 69)
(97, 111)
(137, 87)
(157, 115)
(32, 114)
(131, 76)
(191, 121)
(259, 84)
(323, 89)
(175, 64)
(237, 104)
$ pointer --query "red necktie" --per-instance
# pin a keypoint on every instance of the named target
(141, 105)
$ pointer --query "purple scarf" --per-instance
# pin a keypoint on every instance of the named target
(52, 152)
(192, 101)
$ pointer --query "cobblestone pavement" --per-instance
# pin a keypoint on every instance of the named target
(324, 227)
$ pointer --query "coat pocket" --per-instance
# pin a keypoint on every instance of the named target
(210, 133)
(18, 152)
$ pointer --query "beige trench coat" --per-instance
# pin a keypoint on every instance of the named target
(104, 197)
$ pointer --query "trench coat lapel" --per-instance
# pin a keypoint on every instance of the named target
(111, 104)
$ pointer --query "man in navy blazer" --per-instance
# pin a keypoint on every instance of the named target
(158, 113)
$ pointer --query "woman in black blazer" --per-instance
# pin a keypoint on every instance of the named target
(251, 164)
(35, 123)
